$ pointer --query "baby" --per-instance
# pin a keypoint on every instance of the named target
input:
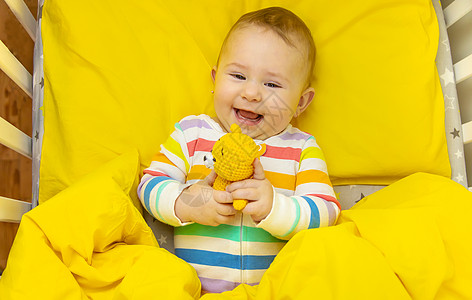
(262, 81)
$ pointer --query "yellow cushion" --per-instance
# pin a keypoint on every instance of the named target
(119, 76)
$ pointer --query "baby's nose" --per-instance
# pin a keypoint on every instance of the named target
(251, 91)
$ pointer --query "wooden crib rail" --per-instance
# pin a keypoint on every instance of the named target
(15, 70)
(467, 132)
(12, 209)
(15, 139)
(24, 16)
(456, 10)
(463, 69)
(10, 136)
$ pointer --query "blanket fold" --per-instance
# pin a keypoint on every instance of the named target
(90, 242)
(410, 240)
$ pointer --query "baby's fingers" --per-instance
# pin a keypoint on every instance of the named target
(226, 210)
(222, 197)
(258, 170)
(210, 179)
(248, 194)
(243, 184)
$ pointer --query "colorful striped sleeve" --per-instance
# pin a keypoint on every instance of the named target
(314, 202)
(164, 180)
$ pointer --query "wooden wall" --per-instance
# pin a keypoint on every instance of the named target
(16, 108)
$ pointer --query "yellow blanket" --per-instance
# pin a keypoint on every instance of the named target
(90, 242)
(409, 240)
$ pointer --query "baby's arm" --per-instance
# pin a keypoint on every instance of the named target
(171, 201)
(314, 202)
(160, 186)
(166, 196)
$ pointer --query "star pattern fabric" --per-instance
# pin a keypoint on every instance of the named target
(162, 240)
(447, 77)
(451, 101)
(455, 133)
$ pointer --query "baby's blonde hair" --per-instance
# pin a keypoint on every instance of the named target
(286, 25)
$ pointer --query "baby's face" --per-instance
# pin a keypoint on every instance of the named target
(258, 83)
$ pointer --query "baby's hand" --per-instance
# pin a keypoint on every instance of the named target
(257, 190)
(202, 204)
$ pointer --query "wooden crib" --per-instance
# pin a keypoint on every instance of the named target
(458, 18)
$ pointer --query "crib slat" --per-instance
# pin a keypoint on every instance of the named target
(467, 132)
(456, 10)
(15, 70)
(15, 139)
(12, 209)
(23, 14)
(463, 69)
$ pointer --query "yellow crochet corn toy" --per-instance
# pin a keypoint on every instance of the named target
(232, 159)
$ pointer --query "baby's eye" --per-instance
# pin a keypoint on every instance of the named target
(238, 76)
(272, 85)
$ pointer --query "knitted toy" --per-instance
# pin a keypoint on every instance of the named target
(232, 159)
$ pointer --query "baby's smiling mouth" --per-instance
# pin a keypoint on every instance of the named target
(248, 117)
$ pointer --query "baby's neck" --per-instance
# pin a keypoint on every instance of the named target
(219, 123)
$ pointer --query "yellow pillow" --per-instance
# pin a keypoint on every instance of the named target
(119, 76)
(378, 112)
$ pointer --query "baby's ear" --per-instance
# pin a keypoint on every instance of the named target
(262, 150)
(305, 100)
(213, 74)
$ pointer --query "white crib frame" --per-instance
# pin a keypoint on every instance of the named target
(11, 210)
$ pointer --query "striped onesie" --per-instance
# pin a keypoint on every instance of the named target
(227, 255)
